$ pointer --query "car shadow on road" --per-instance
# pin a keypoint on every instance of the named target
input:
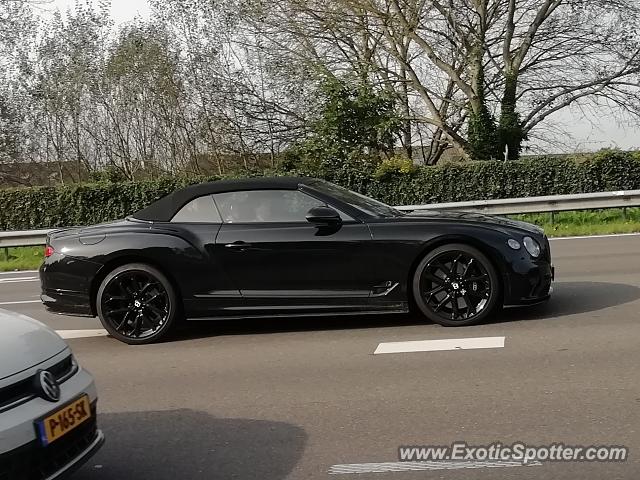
(569, 298)
(574, 298)
(187, 444)
(240, 326)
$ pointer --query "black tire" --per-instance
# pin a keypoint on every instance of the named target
(456, 285)
(137, 304)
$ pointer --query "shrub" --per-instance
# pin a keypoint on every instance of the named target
(390, 181)
(395, 165)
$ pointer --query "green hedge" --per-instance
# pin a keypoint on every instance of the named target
(83, 204)
(42, 207)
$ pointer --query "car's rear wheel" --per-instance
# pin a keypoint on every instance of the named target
(456, 285)
(136, 304)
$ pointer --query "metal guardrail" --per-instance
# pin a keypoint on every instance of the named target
(511, 206)
(553, 203)
(25, 238)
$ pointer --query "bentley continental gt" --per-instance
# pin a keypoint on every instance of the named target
(275, 247)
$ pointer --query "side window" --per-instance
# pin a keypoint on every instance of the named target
(263, 206)
(198, 210)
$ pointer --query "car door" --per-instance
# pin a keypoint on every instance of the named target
(205, 286)
(279, 260)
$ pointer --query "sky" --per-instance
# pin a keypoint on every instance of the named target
(121, 10)
(585, 135)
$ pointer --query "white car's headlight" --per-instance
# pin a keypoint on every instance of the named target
(532, 246)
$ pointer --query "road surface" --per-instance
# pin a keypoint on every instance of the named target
(307, 398)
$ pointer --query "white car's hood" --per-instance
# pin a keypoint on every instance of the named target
(24, 343)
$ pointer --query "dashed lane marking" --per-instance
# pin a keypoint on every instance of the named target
(18, 272)
(18, 279)
(440, 345)
(68, 334)
(359, 468)
(19, 302)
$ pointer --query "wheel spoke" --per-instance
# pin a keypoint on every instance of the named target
(147, 320)
(467, 267)
(157, 321)
(124, 320)
(454, 264)
(149, 300)
(438, 289)
(118, 310)
(118, 298)
(470, 307)
(137, 322)
(455, 312)
(157, 311)
(444, 301)
(144, 289)
(443, 267)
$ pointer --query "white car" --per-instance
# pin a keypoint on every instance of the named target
(47, 403)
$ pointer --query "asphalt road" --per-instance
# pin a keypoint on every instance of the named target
(293, 399)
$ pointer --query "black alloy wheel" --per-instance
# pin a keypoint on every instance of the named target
(136, 304)
(456, 285)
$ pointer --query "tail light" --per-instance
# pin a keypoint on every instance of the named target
(48, 251)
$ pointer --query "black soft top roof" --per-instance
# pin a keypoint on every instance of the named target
(164, 209)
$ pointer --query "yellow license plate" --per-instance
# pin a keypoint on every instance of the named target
(64, 420)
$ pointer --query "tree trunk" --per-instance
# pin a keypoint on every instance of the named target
(407, 139)
(482, 128)
(510, 132)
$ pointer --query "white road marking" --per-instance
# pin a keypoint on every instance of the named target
(359, 468)
(20, 302)
(19, 279)
(440, 345)
(18, 272)
(596, 236)
(67, 334)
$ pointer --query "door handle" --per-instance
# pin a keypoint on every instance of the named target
(238, 246)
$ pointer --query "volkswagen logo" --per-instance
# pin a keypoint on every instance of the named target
(48, 386)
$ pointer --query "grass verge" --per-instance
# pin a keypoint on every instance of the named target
(563, 224)
(586, 222)
(20, 258)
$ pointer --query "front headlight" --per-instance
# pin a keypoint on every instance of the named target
(513, 244)
(532, 246)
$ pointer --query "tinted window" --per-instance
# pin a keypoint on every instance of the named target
(199, 210)
(265, 206)
(356, 200)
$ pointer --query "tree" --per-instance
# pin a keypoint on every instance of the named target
(242, 103)
(468, 62)
(354, 120)
(356, 124)
(17, 27)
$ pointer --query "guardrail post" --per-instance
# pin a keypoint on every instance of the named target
(6, 254)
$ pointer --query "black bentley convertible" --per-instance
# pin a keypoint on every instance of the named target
(274, 247)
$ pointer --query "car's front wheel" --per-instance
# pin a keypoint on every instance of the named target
(136, 304)
(456, 285)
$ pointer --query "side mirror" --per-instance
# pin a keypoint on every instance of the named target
(323, 216)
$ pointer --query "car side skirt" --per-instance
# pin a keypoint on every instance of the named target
(301, 315)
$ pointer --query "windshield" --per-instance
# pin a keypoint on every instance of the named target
(357, 200)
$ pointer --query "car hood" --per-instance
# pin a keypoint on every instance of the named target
(24, 343)
(469, 217)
